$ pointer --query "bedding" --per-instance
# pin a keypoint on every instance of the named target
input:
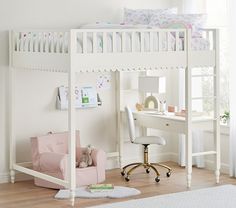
(142, 16)
(188, 21)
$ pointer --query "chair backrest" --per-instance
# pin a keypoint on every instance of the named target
(131, 125)
(56, 142)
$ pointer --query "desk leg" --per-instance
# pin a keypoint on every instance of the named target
(120, 136)
(217, 147)
(217, 106)
(188, 106)
(189, 158)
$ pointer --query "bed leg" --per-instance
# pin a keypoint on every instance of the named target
(72, 197)
(189, 179)
(217, 174)
(12, 176)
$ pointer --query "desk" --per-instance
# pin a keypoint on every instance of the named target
(177, 124)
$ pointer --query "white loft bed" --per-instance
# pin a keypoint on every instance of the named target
(98, 50)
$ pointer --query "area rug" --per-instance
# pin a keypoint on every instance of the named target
(216, 197)
(83, 192)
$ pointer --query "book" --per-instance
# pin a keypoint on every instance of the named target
(100, 187)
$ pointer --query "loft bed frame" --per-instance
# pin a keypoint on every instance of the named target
(37, 51)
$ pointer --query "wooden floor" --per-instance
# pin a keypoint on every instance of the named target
(25, 194)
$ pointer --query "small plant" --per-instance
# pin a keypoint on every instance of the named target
(225, 117)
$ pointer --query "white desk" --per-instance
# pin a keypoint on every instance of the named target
(177, 124)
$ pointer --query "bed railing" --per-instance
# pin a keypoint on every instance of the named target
(122, 41)
(50, 49)
(40, 41)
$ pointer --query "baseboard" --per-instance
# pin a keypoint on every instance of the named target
(4, 177)
(209, 164)
(114, 163)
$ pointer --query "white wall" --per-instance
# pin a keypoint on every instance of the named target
(190, 6)
(36, 90)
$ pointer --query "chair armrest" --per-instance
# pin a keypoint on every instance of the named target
(51, 161)
(99, 158)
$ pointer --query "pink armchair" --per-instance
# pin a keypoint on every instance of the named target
(50, 154)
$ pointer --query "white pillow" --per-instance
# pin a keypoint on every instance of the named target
(190, 21)
(142, 16)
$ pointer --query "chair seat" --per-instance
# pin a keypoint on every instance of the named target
(150, 140)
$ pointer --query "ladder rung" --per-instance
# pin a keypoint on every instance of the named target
(204, 153)
(205, 97)
(204, 75)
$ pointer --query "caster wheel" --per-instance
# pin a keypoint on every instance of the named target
(127, 178)
(122, 173)
(157, 179)
(168, 174)
(148, 170)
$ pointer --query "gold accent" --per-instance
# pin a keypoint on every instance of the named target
(133, 168)
(161, 165)
(145, 164)
(149, 100)
(139, 107)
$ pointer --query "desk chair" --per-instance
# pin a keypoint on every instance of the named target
(145, 141)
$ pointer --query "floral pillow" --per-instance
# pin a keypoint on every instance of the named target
(189, 21)
(142, 16)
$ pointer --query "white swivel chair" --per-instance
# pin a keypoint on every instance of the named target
(145, 141)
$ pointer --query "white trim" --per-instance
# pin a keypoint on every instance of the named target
(112, 163)
(209, 164)
(4, 177)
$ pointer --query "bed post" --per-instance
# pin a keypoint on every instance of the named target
(12, 142)
(188, 106)
(118, 120)
(217, 105)
(71, 117)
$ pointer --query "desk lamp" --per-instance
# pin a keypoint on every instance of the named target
(151, 84)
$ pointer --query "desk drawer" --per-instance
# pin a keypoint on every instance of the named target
(156, 122)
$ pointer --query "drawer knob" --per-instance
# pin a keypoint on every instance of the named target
(167, 124)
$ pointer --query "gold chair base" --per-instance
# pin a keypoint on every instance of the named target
(147, 166)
